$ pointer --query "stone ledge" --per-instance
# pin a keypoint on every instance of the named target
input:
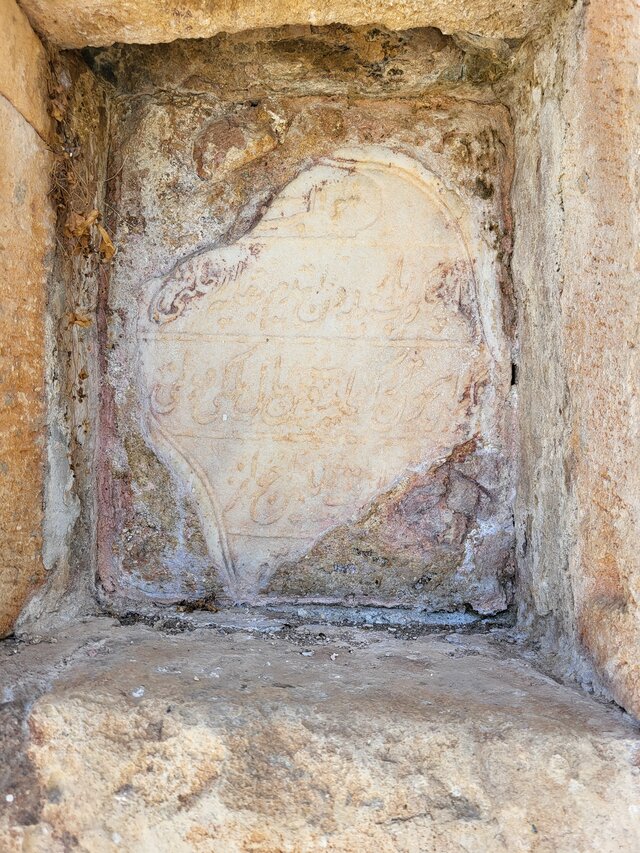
(303, 739)
(78, 23)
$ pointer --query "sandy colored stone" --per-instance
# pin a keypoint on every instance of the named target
(307, 356)
(306, 739)
(579, 503)
(23, 68)
(603, 344)
(25, 241)
(78, 23)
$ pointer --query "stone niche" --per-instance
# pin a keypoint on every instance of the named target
(306, 329)
(335, 314)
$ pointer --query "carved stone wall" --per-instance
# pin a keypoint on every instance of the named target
(307, 388)
(208, 141)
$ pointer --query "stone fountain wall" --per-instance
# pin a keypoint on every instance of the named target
(566, 96)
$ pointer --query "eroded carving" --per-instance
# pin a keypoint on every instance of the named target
(295, 375)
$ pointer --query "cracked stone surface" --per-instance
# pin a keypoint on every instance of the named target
(293, 377)
(221, 738)
(306, 377)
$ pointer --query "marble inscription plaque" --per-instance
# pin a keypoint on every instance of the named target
(293, 376)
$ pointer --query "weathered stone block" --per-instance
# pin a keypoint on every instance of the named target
(25, 241)
(24, 71)
(576, 272)
(209, 742)
(77, 23)
(306, 348)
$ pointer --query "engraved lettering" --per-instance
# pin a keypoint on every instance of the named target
(293, 375)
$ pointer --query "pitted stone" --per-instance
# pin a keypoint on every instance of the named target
(298, 373)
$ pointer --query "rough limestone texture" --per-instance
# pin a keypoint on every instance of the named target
(78, 23)
(304, 739)
(308, 369)
(72, 387)
(26, 226)
(577, 189)
(24, 70)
